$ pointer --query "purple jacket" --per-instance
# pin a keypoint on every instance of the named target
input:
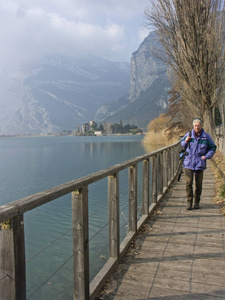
(202, 145)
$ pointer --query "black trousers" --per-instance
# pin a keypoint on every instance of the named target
(189, 176)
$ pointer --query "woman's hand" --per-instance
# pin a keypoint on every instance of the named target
(188, 138)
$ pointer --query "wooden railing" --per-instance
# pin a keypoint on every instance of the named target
(159, 170)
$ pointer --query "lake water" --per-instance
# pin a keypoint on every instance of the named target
(32, 164)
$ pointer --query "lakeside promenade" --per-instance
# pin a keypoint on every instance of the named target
(179, 254)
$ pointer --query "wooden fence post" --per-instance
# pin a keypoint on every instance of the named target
(165, 171)
(114, 224)
(12, 260)
(133, 198)
(145, 202)
(154, 179)
(160, 175)
(80, 243)
(169, 165)
(177, 156)
(174, 160)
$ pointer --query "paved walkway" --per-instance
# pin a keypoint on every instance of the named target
(179, 255)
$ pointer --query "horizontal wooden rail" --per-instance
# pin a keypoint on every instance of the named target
(164, 165)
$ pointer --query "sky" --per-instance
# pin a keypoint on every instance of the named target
(32, 29)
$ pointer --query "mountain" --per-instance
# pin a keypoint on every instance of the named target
(145, 108)
(148, 93)
(62, 93)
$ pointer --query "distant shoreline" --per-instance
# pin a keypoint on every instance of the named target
(58, 135)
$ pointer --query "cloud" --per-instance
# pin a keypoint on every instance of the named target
(33, 29)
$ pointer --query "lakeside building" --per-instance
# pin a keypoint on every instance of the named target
(98, 132)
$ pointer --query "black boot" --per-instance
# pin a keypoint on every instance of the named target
(196, 206)
(189, 205)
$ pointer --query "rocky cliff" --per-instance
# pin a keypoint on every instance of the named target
(148, 93)
(145, 67)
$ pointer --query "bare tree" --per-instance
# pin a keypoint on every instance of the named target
(178, 115)
(191, 33)
(107, 128)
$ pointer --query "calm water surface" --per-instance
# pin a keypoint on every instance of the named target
(32, 164)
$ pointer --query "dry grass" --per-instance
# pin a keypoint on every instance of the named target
(158, 134)
(158, 138)
(218, 169)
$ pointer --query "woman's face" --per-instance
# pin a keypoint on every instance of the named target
(197, 127)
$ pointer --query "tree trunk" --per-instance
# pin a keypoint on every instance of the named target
(222, 113)
(209, 125)
(223, 120)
